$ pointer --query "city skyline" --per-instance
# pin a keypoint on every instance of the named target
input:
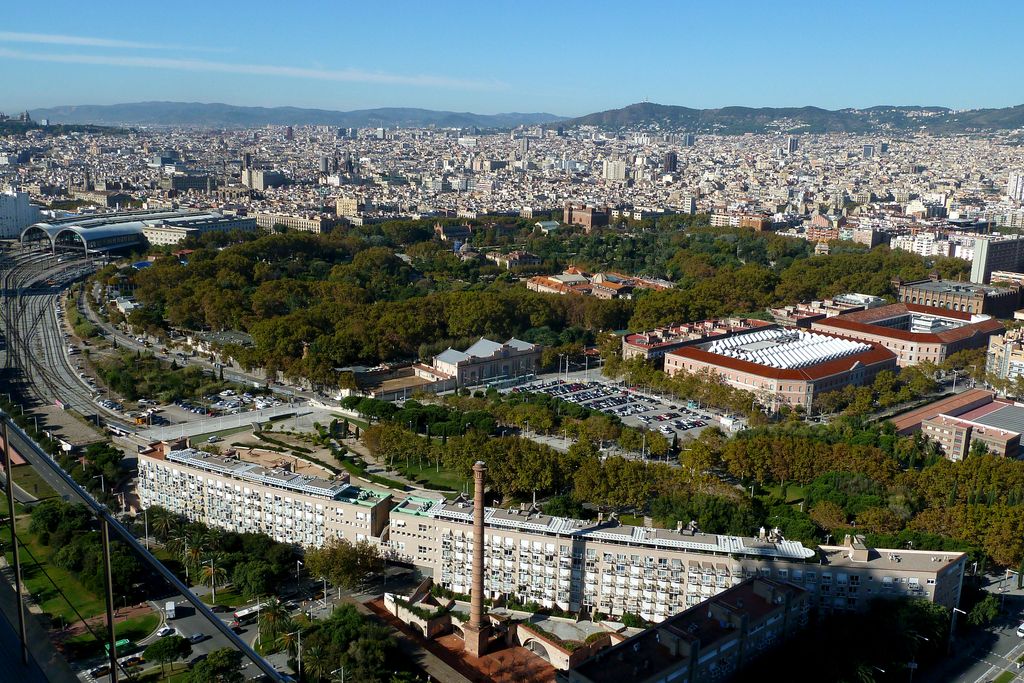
(447, 58)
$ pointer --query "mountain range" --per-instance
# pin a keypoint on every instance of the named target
(216, 115)
(739, 120)
(725, 120)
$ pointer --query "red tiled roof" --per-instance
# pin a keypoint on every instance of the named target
(864, 321)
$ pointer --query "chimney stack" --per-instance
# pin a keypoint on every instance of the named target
(476, 632)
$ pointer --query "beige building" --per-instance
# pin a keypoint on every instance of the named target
(655, 573)
(236, 495)
(1005, 358)
(174, 230)
(315, 224)
(487, 361)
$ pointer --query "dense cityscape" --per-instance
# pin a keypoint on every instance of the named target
(407, 394)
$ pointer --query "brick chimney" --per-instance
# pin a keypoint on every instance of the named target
(476, 631)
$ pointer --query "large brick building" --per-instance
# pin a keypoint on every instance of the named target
(784, 366)
(915, 333)
(589, 217)
(963, 297)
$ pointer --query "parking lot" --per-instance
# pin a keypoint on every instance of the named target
(634, 408)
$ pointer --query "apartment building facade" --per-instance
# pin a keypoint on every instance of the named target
(708, 642)
(613, 568)
(235, 495)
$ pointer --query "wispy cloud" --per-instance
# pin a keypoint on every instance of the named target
(86, 41)
(341, 75)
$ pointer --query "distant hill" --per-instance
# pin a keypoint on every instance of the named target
(215, 115)
(739, 120)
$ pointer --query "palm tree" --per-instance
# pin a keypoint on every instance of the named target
(272, 617)
(162, 522)
(212, 573)
(289, 637)
(314, 663)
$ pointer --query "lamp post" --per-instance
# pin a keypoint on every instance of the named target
(298, 563)
(342, 670)
(213, 577)
(952, 627)
(298, 633)
(103, 482)
(912, 664)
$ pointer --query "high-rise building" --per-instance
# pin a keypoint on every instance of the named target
(792, 144)
(883, 148)
(523, 147)
(16, 213)
(289, 133)
(1015, 187)
(869, 151)
(325, 164)
(614, 169)
(688, 140)
(670, 163)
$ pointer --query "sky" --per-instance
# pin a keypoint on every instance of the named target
(561, 56)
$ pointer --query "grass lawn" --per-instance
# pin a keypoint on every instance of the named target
(225, 596)
(48, 597)
(635, 520)
(27, 478)
(794, 492)
(1005, 677)
(177, 672)
(134, 629)
(447, 479)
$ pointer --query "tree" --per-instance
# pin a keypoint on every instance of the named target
(220, 666)
(828, 515)
(344, 563)
(253, 578)
(273, 617)
(984, 611)
(168, 649)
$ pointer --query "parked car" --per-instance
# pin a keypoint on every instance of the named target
(197, 638)
(165, 631)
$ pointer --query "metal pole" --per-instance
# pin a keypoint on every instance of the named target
(14, 546)
(145, 518)
(111, 635)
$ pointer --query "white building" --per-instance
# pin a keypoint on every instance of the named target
(614, 170)
(16, 213)
(1015, 187)
(245, 497)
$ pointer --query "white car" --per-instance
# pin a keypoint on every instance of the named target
(165, 631)
(1020, 631)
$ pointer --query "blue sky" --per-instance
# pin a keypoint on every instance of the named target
(493, 56)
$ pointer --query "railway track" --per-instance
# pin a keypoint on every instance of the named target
(35, 348)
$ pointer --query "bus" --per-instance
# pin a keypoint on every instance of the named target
(121, 645)
(249, 613)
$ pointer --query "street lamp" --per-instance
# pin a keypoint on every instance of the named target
(342, 670)
(298, 563)
(213, 577)
(103, 482)
(952, 627)
(298, 633)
